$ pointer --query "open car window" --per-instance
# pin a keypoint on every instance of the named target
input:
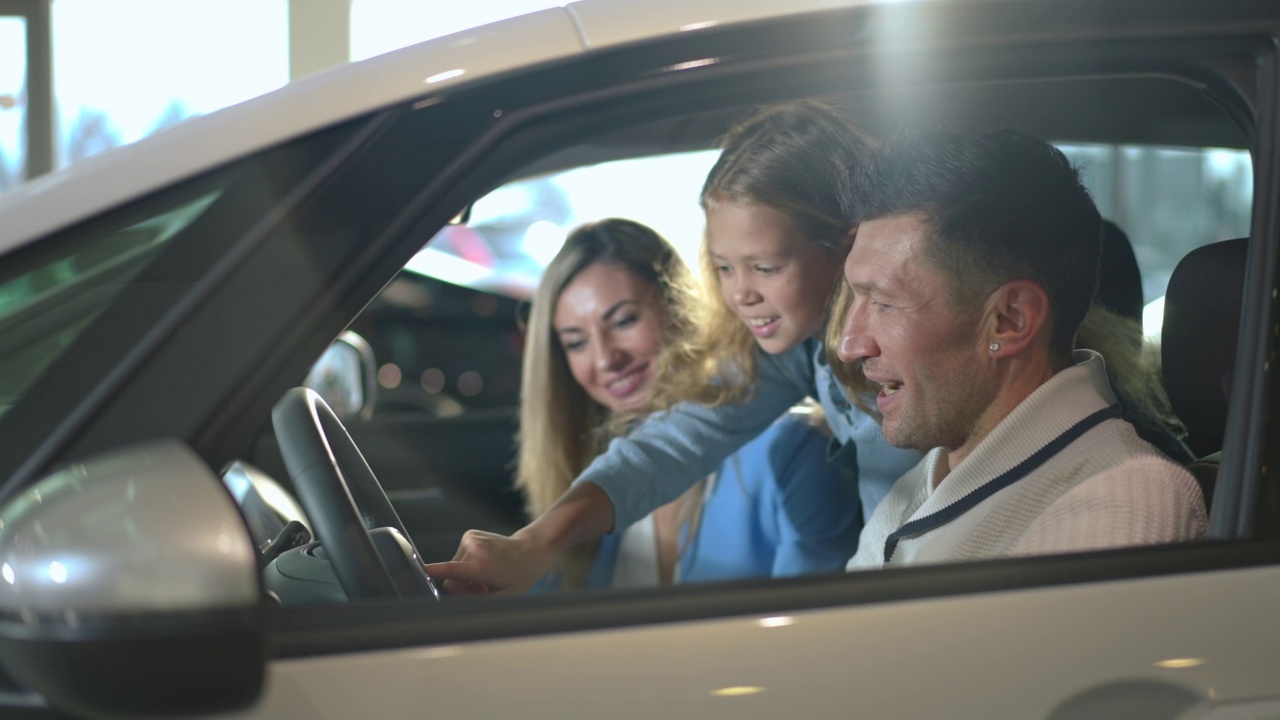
(447, 332)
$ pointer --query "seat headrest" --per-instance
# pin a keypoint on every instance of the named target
(1119, 280)
(1198, 342)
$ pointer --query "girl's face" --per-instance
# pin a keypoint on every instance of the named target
(609, 322)
(771, 277)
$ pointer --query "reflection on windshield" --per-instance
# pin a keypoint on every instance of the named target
(96, 257)
(45, 307)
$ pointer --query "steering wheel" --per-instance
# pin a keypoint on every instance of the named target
(344, 501)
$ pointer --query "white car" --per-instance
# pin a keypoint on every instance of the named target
(159, 300)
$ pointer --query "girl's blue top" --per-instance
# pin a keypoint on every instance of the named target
(670, 451)
(777, 508)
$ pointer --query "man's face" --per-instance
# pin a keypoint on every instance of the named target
(903, 326)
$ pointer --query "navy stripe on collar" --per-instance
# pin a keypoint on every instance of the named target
(1004, 480)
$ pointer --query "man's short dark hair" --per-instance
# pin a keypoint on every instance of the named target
(1000, 206)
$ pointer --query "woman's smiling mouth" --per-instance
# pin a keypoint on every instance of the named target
(628, 383)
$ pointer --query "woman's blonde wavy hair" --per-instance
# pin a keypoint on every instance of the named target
(791, 158)
(561, 428)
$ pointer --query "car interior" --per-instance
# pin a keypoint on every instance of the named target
(442, 448)
(1201, 326)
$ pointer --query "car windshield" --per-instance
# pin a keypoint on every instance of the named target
(49, 298)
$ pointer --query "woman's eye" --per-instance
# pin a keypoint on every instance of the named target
(722, 269)
(625, 320)
(766, 269)
(573, 345)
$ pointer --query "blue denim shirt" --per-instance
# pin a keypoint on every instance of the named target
(670, 451)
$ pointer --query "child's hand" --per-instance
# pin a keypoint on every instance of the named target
(488, 562)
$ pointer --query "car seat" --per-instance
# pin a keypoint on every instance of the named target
(1198, 347)
(1119, 280)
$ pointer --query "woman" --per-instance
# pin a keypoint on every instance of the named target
(609, 302)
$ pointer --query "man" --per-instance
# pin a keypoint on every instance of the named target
(974, 264)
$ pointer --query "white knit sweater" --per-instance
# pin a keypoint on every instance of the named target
(1106, 489)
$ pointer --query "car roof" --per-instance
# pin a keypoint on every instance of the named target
(116, 176)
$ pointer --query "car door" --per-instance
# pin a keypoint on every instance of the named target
(1169, 632)
(1183, 631)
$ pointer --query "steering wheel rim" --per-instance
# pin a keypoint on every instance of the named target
(339, 491)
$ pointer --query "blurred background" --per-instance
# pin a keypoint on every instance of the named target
(116, 71)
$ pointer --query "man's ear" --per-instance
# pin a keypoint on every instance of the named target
(1017, 313)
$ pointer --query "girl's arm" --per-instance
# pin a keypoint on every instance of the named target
(653, 465)
(670, 451)
(816, 505)
(489, 562)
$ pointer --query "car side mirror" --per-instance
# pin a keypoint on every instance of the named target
(129, 587)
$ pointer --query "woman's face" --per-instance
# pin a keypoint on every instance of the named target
(609, 322)
(775, 281)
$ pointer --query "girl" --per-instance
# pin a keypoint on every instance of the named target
(607, 304)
